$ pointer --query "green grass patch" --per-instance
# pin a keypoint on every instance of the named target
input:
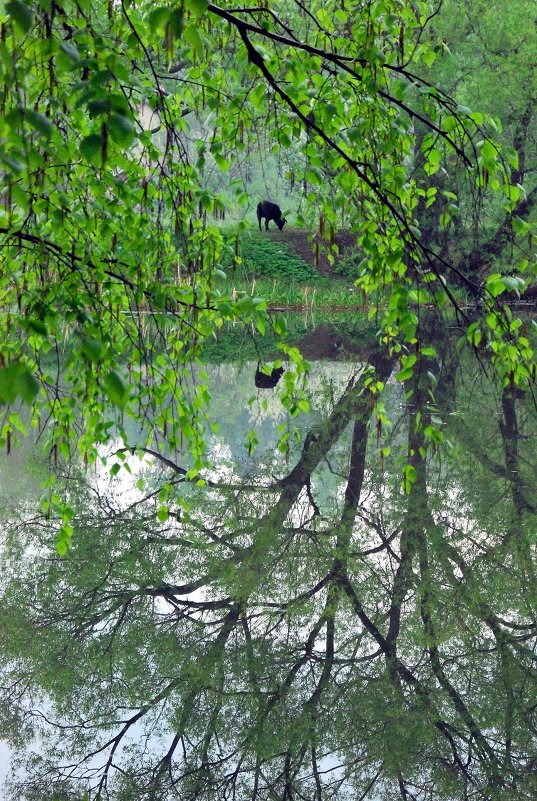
(325, 293)
(263, 258)
(271, 269)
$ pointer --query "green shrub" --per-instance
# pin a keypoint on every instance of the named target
(347, 265)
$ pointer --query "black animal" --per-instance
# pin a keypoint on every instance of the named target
(267, 380)
(270, 211)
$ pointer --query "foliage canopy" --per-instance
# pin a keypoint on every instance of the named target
(114, 120)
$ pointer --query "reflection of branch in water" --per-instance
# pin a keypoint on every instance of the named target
(376, 633)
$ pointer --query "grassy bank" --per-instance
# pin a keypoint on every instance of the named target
(279, 267)
(270, 268)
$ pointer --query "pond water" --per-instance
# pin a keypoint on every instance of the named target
(348, 610)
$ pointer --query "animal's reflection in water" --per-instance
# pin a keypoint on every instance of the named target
(267, 380)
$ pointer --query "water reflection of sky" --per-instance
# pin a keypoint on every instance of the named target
(237, 407)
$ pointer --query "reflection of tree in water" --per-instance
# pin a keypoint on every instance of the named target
(315, 634)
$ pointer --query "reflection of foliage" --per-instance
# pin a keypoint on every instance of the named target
(313, 632)
(57, 791)
(236, 343)
(346, 331)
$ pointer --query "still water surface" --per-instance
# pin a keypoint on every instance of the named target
(302, 620)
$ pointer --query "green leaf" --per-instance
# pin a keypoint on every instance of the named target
(91, 146)
(65, 538)
(257, 95)
(39, 121)
(197, 7)
(92, 349)
(14, 164)
(409, 478)
(158, 18)
(489, 151)
(222, 162)
(355, 133)
(121, 129)
(116, 389)
(21, 14)
(514, 283)
(404, 375)
(37, 326)
(61, 546)
(520, 226)
(429, 57)
(27, 386)
(17, 380)
(71, 51)
(495, 284)
(193, 38)
(433, 161)
(99, 106)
